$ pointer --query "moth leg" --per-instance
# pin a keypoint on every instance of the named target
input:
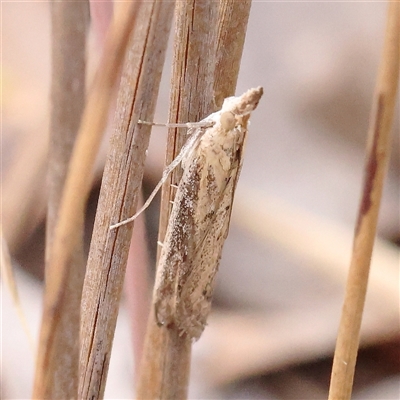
(161, 244)
(185, 150)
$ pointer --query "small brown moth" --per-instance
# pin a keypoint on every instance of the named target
(200, 216)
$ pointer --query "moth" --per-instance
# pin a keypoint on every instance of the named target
(199, 222)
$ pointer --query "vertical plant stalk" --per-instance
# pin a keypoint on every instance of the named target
(119, 193)
(231, 33)
(165, 367)
(194, 81)
(66, 238)
(69, 22)
(378, 152)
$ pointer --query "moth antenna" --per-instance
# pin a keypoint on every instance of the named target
(189, 125)
(186, 148)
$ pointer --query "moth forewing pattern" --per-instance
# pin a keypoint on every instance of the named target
(200, 216)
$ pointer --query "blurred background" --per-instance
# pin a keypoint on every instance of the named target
(281, 281)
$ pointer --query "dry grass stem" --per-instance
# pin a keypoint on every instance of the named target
(192, 98)
(231, 33)
(378, 152)
(67, 97)
(69, 22)
(119, 193)
(66, 239)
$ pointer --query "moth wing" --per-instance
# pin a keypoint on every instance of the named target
(195, 286)
(236, 174)
(196, 232)
(178, 245)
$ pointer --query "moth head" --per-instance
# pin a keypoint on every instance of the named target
(245, 103)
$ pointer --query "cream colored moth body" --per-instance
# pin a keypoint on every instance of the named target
(200, 216)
